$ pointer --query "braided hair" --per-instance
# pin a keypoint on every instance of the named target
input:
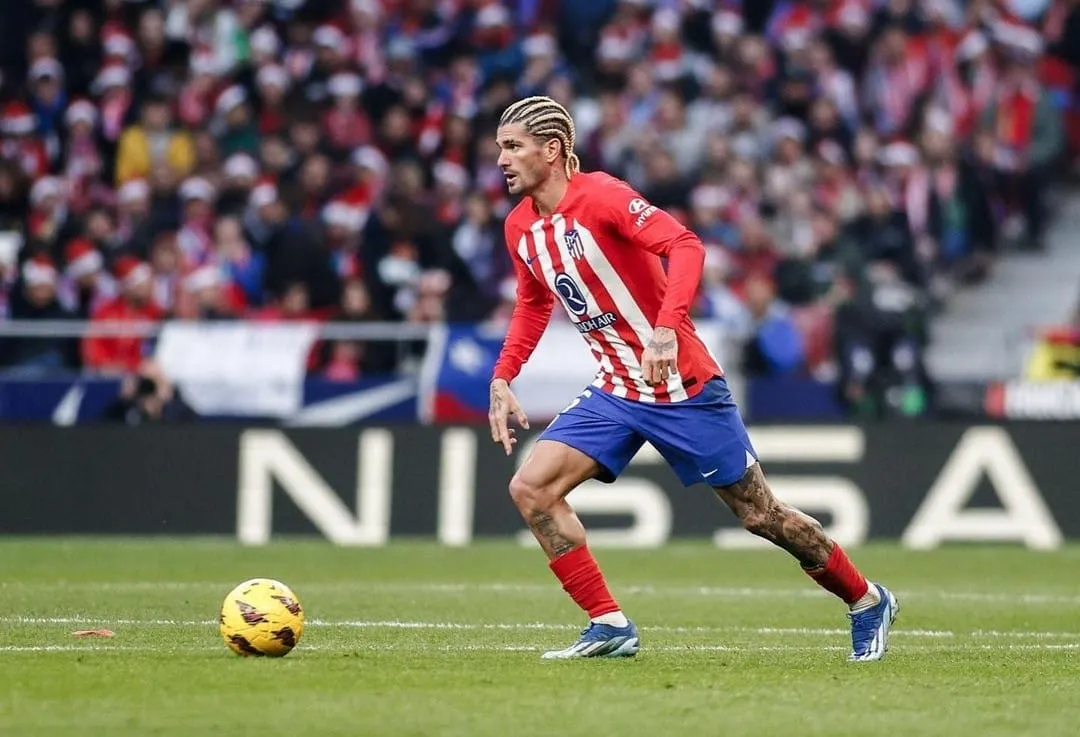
(544, 118)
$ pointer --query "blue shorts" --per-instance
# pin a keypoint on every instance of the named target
(703, 438)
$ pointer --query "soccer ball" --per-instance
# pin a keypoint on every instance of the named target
(261, 616)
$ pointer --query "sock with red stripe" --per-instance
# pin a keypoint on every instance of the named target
(839, 576)
(581, 578)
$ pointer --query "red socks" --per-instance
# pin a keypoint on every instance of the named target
(582, 579)
(840, 576)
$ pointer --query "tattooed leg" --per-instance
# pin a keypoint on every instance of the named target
(764, 515)
(539, 489)
(558, 530)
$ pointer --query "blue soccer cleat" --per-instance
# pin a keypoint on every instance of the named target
(601, 641)
(870, 627)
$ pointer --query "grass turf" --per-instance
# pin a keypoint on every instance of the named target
(415, 639)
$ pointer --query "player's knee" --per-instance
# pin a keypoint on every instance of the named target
(525, 494)
(530, 496)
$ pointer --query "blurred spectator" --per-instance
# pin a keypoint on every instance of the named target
(135, 304)
(153, 141)
(35, 299)
(1027, 132)
(774, 347)
(317, 159)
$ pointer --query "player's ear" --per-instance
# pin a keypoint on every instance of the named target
(552, 148)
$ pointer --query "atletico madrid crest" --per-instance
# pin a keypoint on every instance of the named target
(574, 244)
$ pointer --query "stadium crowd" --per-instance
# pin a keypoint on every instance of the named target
(848, 163)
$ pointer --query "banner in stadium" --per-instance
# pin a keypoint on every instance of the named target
(923, 484)
(77, 400)
(238, 368)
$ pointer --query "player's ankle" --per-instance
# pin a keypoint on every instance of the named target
(867, 600)
(615, 619)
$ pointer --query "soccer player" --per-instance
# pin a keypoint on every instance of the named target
(593, 241)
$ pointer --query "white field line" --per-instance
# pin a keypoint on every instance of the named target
(722, 592)
(534, 648)
(525, 626)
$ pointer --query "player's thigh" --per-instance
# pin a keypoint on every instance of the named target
(704, 438)
(551, 471)
(594, 427)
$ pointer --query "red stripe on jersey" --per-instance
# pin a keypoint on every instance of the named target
(595, 285)
(557, 267)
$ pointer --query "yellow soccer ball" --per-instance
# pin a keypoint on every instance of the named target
(261, 616)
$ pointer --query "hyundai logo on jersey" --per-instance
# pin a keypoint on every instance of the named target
(571, 295)
(574, 244)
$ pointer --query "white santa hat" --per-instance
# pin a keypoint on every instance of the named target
(345, 84)
(789, 128)
(899, 153)
(343, 215)
(973, 44)
(329, 37)
(39, 271)
(112, 75)
(369, 157)
(666, 19)
(82, 258)
(272, 75)
(265, 41)
(131, 271)
(47, 186)
(454, 175)
(118, 44)
(492, 16)
(133, 191)
(17, 119)
(47, 67)
(203, 63)
(197, 188)
(264, 194)
(241, 166)
(539, 44)
(203, 277)
(727, 23)
(81, 111)
(231, 98)
(615, 48)
(709, 196)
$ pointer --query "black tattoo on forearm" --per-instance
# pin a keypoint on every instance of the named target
(547, 531)
(765, 516)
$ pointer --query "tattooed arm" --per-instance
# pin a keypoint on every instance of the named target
(661, 356)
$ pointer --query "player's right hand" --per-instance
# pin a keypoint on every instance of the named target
(504, 404)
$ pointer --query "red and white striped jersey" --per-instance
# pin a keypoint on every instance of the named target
(600, 253)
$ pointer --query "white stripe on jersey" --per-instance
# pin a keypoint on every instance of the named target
(548, 269)
(609, 334)
(626, 305)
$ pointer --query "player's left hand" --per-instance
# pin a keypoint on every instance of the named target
(661, 357)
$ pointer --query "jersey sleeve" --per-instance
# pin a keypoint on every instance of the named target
(532, 311)
(648, 227)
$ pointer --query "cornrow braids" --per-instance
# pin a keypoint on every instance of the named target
(544, 118)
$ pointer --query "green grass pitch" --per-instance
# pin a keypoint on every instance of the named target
(414, 639)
